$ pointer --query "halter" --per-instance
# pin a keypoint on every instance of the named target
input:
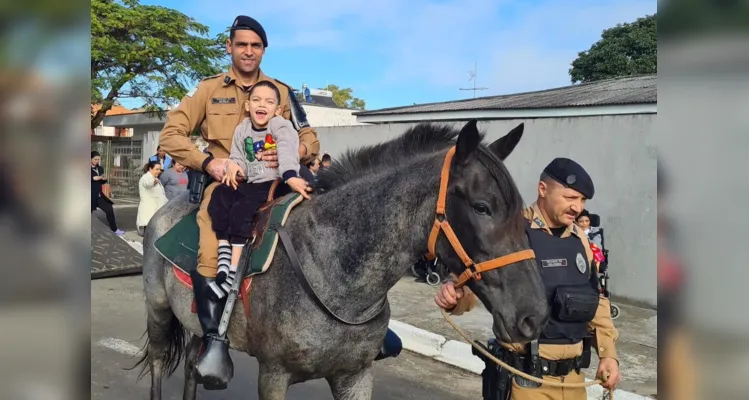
(473, 270)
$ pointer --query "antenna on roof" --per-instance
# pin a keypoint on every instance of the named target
(473, 75)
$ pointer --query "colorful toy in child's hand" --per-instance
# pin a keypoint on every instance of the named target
(259, 146)
(269, 142)
(249, 149)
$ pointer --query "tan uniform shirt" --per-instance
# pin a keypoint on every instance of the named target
(217, 107)
(602, 326)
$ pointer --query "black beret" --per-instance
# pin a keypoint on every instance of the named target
(571, 175)
(244, 22)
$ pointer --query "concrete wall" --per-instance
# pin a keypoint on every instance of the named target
(328, 116)
(617, 151)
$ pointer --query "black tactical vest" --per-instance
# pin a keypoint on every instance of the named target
(571, 286)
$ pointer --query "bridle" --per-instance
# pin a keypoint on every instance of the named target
(473, 270)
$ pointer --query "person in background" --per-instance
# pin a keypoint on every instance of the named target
(174, 180)
(314, 167)
(326, 160)
(152, 195)
(162, 158)
(594, 232)
(98, 198)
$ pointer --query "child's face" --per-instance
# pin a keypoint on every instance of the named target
(262, 106)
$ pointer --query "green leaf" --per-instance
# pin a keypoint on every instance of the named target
(624, 50)
(151, 52)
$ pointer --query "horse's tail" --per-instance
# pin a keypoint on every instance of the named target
(169, 351)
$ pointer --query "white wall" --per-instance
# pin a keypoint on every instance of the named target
(617, 151)
(328, 116)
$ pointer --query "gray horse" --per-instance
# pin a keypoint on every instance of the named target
(355, 239)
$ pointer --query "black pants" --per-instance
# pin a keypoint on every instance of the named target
(232, 211)
(106, 206)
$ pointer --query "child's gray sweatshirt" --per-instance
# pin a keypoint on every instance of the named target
(247, 139)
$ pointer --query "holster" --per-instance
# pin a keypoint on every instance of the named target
(298, 116)
(585, 357)
(495, 380)
(197, 181)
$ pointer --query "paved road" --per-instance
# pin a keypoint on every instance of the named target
(125, 215)
(118, 321)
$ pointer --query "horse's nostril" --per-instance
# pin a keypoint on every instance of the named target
(529, 325)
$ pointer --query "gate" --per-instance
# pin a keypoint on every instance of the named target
(122, 159)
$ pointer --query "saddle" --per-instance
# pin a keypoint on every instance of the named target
(179, 245)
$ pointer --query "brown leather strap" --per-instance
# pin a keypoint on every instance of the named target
(475, 272)
(506, 260)
(273, 187)
(444, 179)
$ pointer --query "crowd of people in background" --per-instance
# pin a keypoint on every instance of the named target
(162, 180)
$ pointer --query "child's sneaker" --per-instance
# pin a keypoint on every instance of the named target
(119, 232)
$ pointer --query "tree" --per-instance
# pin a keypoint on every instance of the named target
(148, 52)
(344, 98)
(624, 50)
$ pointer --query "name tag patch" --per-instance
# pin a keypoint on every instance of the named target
(554, 263)
(224, 100)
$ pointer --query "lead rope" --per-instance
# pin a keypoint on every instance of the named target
(521, 373)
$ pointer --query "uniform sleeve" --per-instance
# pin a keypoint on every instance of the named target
(180, 122)
(308, 138)
(602, 326)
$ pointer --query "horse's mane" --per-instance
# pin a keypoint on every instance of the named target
(423, 138)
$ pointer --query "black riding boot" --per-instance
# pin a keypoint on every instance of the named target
(214, 367)
(391, 346)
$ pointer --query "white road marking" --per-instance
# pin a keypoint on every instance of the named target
(120, 346)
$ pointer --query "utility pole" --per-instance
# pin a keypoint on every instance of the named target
(473, 75)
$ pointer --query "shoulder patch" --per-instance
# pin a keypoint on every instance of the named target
(212, 77)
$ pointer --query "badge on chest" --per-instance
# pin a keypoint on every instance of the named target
(224, 100)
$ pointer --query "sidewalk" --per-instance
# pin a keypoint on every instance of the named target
(417, 319)
(412, 303)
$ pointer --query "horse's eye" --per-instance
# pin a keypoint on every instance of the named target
(481, 208)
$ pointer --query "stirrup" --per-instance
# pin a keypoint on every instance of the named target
(215, 362)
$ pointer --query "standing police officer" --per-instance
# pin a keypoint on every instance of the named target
(579, 316)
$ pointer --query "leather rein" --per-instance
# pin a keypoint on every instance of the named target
(472, 270)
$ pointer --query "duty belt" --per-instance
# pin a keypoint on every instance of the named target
(548, 367)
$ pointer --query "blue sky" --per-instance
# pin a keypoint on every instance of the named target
(401, 52)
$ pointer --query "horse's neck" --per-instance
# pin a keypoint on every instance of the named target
(370, 232)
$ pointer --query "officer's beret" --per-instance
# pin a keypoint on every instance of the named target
(244, 22)
(571, 175)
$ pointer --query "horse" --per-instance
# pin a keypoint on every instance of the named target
(371, 217)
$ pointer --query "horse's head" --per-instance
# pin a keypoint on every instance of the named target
(484, 208)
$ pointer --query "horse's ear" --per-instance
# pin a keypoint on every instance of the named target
(503, 146)
(468, 141)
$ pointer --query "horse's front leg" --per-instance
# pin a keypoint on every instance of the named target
(273, 382)
(356, 386)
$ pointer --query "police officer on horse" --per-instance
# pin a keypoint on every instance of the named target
(216, 107)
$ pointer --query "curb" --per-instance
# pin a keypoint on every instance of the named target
(459, 354)
(453, 352)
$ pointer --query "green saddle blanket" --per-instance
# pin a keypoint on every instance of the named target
(179, 245)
